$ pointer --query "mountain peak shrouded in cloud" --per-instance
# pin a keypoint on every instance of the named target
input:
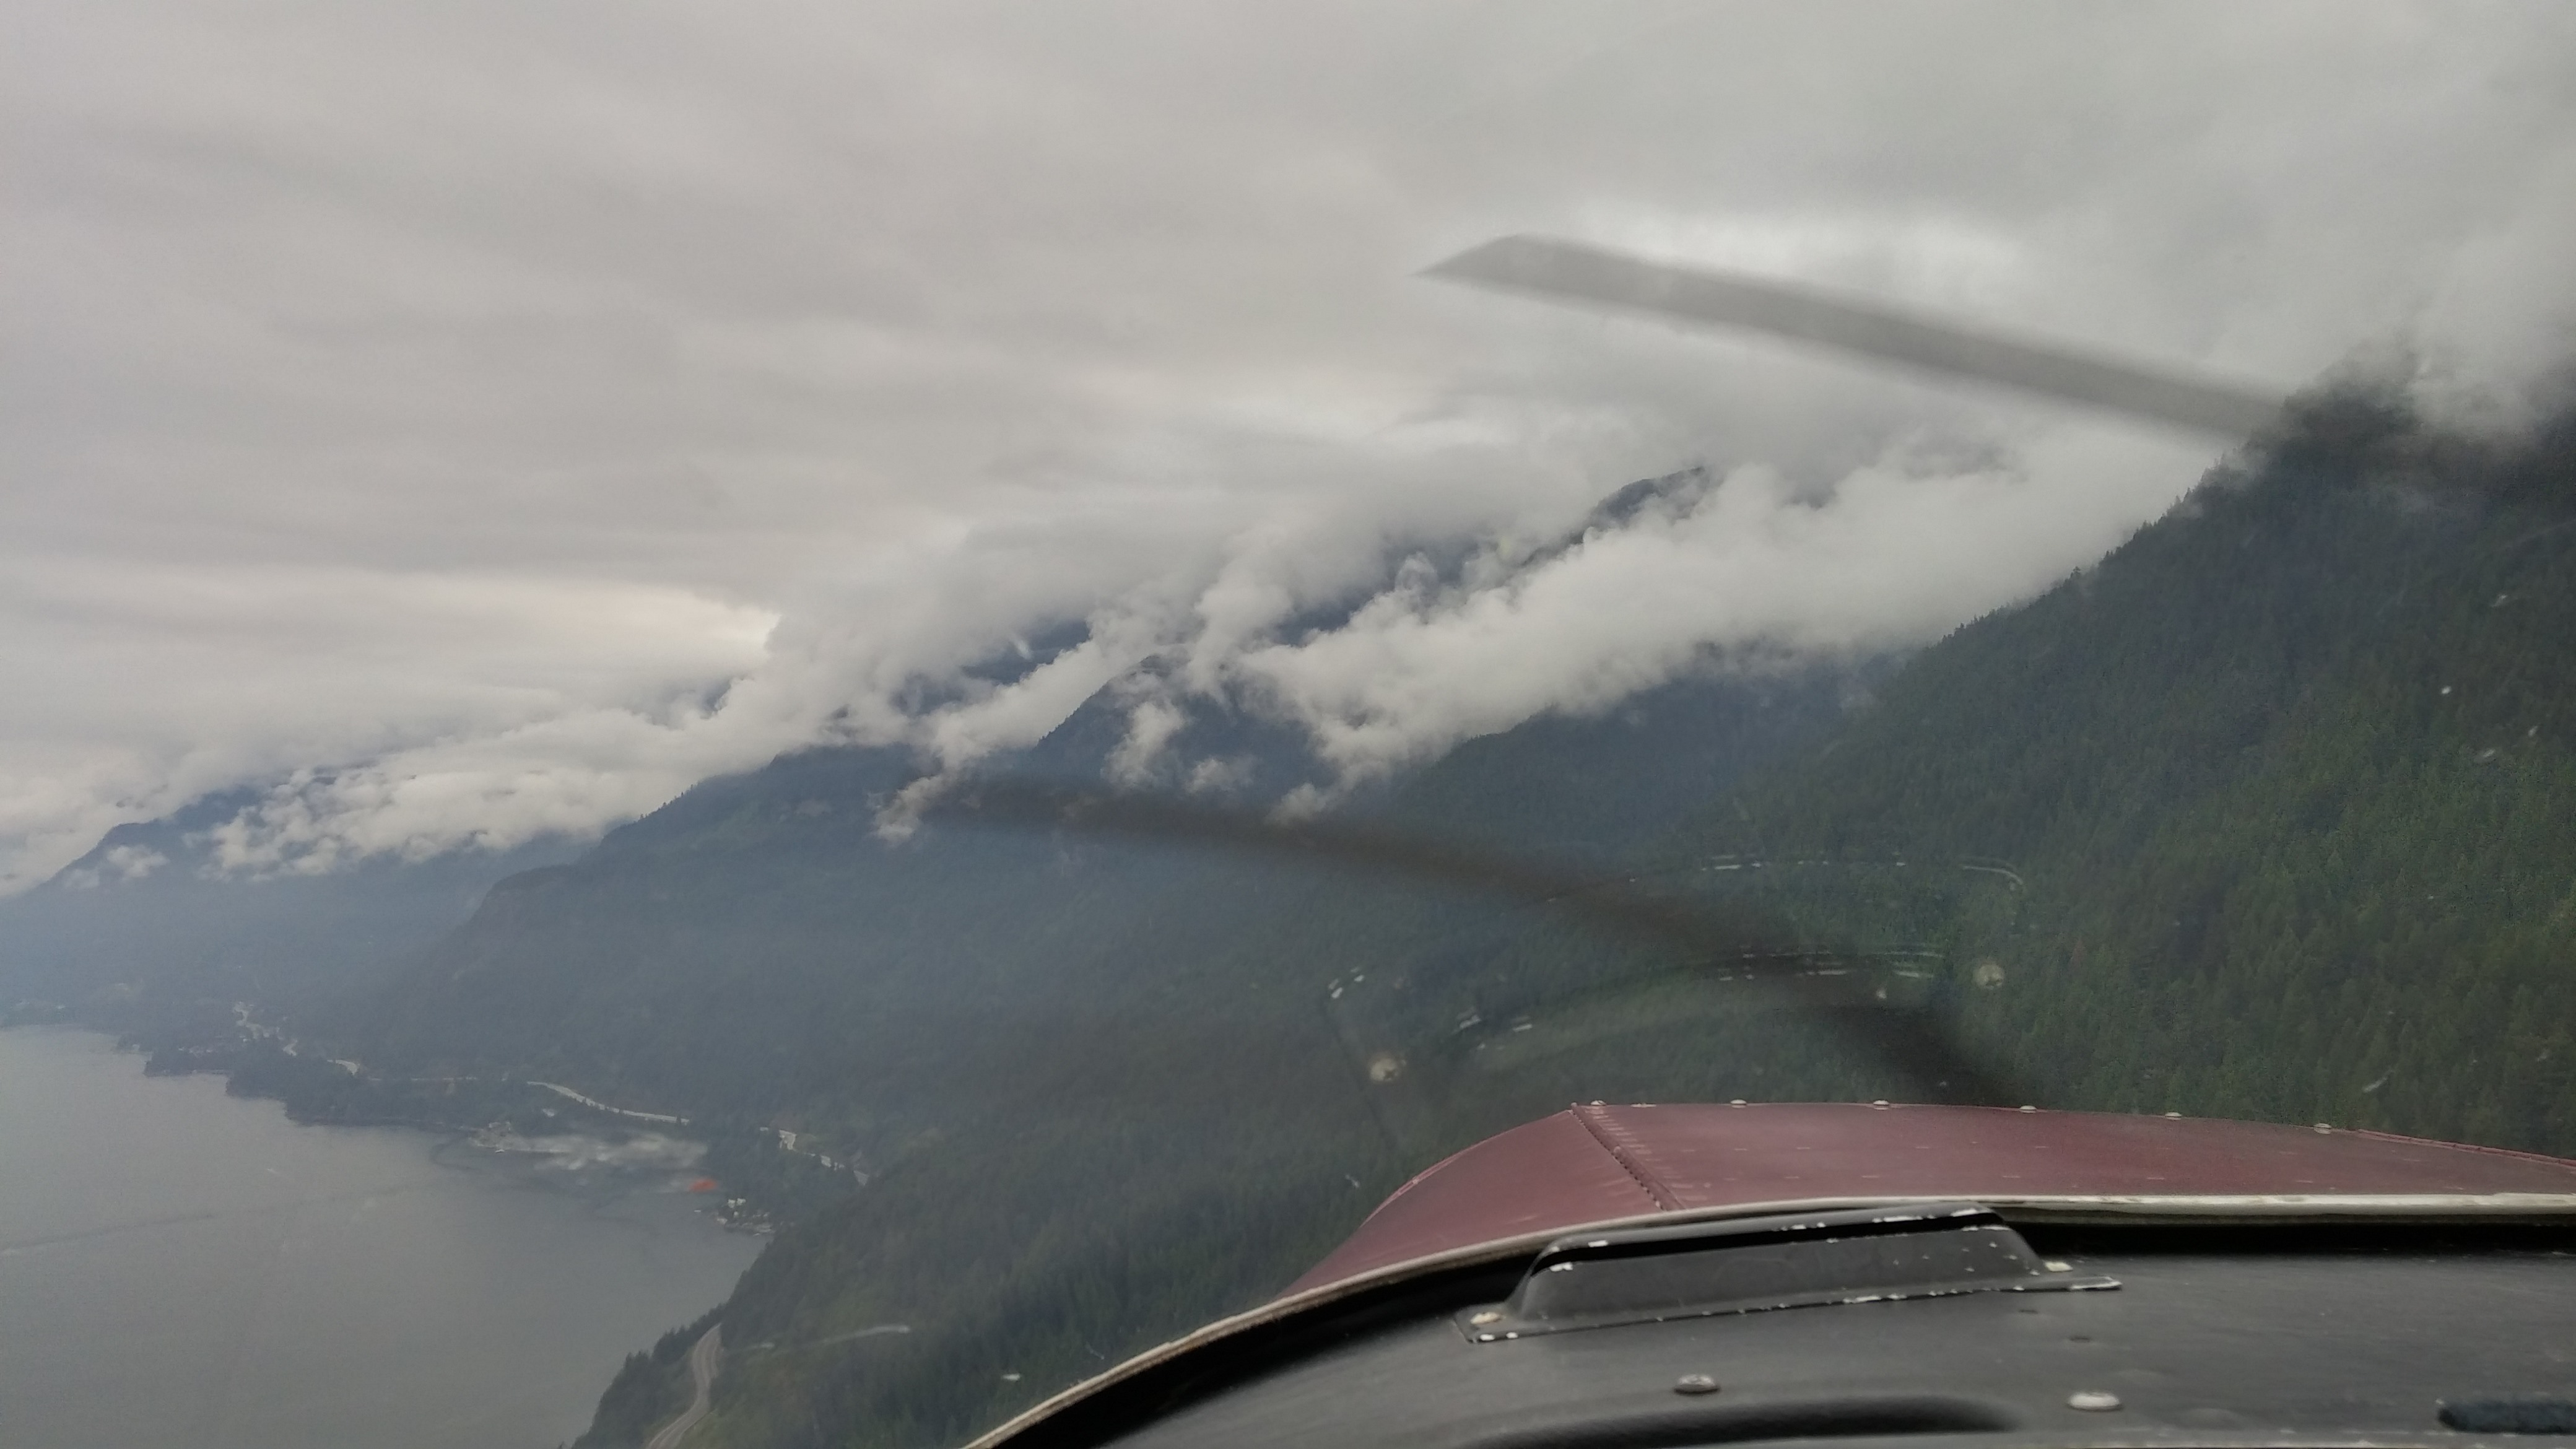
(489, 422)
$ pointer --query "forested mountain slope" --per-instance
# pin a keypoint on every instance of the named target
(758, 947)
(2291, 778)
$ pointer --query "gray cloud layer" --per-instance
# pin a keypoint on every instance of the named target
(505, 415)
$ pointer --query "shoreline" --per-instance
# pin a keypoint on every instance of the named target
(756, 1180)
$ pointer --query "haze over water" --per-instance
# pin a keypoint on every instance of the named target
(183, 1268)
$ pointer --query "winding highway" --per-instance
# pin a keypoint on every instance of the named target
(704, 1355)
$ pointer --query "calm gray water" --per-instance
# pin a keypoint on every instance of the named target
(182, 1268)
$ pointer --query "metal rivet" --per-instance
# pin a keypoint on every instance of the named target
(2093, 1401)
(1488, 1316)
(1694, 1384)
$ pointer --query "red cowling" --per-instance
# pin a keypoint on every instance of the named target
(1599, 1164)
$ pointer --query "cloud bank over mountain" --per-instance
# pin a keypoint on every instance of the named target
(488, 421)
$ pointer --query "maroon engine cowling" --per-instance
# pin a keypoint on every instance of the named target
(1596, 1164)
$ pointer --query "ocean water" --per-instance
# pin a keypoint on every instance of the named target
(182, 1268)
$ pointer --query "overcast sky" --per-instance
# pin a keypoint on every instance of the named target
(477, 418)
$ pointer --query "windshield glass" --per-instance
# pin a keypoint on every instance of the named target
(828, 716)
